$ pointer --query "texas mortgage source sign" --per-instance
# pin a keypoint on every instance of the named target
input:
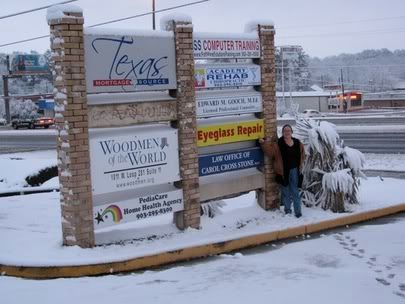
(133, 158)
(126, 63)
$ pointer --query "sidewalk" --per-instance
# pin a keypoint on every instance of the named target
(30, 229)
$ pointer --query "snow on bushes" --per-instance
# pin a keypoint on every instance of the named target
(331, 170)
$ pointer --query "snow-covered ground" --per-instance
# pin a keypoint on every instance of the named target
(15, 167)
(351, 266)
(365, 265)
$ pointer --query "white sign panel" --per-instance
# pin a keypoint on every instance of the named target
(138, 208)
(118, 63)
(229, 105)
(131, 158)
(221, 76)
(225, 47)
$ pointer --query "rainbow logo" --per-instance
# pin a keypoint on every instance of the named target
(115, 213)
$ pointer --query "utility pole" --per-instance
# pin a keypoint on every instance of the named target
(343, 91)
(5, 90)
(153, 15)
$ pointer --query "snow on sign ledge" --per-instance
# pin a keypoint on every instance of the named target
(126, 32)
(165, 22)
(58, 11)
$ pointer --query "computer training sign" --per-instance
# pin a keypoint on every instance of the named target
(222, 47)
(133, 157)
(120, 63)
(221, 76)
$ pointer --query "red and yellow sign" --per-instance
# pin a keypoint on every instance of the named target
(228, 133)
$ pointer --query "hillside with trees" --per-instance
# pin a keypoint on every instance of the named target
(369, 70)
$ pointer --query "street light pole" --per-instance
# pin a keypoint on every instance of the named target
(153, 15)
(282, 77)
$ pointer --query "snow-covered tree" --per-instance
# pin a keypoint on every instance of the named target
(23, 108)
(331, 170)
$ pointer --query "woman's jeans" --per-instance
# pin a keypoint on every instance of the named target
(290, 194)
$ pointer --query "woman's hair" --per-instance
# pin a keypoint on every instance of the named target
(286, 126)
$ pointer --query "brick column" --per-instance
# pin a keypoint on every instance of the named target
(187, 125)
(72, 125)
(268, 198)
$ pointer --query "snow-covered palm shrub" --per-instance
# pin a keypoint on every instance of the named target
(331, 170)
(211, 209)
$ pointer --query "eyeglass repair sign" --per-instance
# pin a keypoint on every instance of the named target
(230, 132)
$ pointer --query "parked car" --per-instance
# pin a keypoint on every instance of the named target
(32, 122)
(312, 113)
(3, 122)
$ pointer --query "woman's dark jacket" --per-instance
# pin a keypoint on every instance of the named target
(281, 165)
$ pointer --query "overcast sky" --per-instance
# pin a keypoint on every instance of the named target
(322, 27)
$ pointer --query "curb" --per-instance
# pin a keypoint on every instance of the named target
(195, 252)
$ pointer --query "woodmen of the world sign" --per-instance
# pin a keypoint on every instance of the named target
(133, 157)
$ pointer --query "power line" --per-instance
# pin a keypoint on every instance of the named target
(112, 21)
(345, 66)
(339, 23)
(332, 35)
(35, 9)
(149, 13)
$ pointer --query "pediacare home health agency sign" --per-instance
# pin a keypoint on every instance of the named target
(230, 132)
(219, 105)
(126, 63)
(138, 208)
(221, 76)
(209, 46)
(133, 157)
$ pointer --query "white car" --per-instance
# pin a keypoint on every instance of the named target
(312, 113)
(3, 122)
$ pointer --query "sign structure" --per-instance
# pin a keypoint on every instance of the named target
(137, 208)
(225, 47)
(29, 64)
(116, 63)
(228, 133)
(229, 105)
(230, 161)
(133, 157)
(221, 76)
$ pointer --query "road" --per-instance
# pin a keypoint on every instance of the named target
(26, 140)
(369, 134)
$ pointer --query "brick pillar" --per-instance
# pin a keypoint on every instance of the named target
(72, 125)
(187, 125)
(268, 198)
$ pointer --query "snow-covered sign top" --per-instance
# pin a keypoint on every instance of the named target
(165, 21)
(58, 11)
(251, 26)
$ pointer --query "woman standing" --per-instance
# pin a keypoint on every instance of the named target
(289, 158)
